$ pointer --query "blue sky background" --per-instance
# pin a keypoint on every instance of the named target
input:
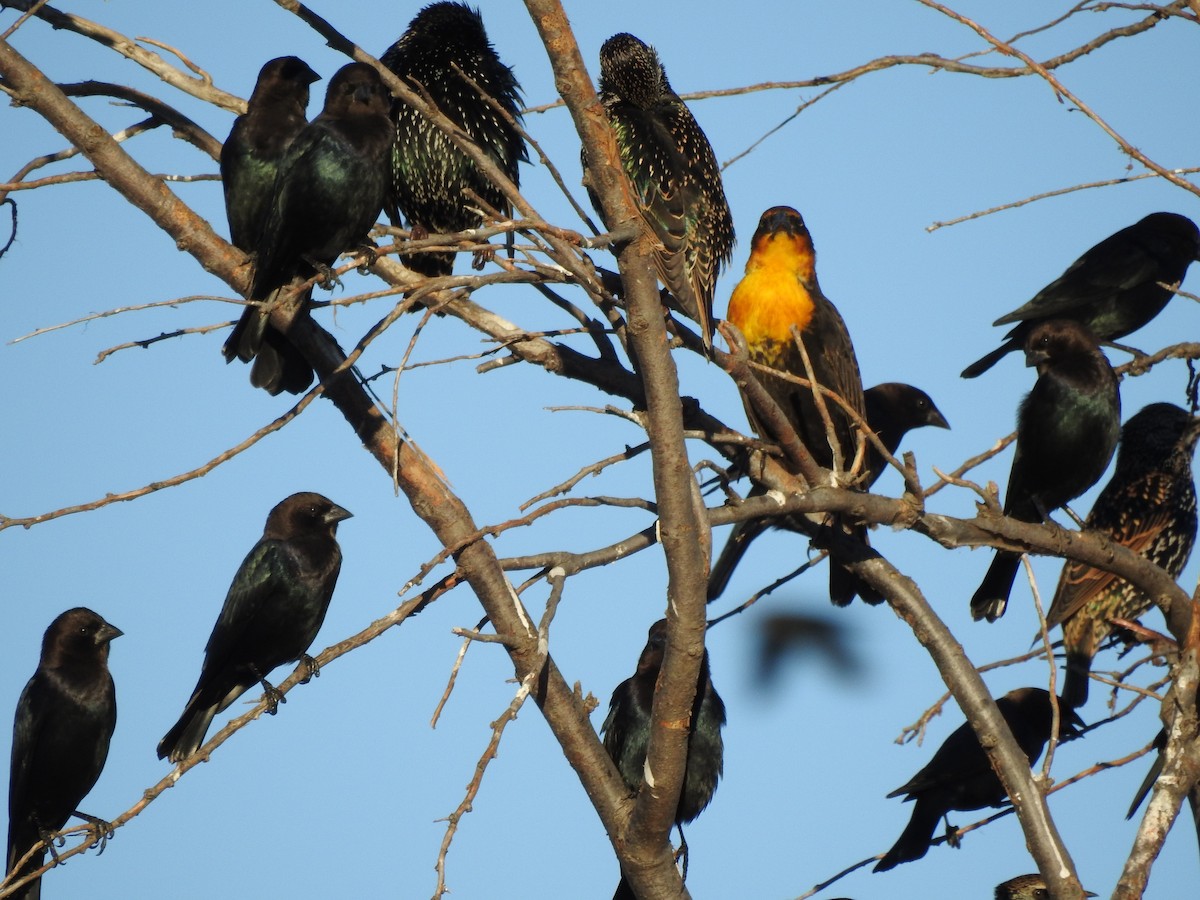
(341, 793)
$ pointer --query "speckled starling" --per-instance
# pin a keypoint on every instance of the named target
(893, 410)
(1113, 288)
(779, 291)
(1149, 506)
(1067, 430)
(1026, 887)
(674, 174)
(428, 173)
(626, 731)
(960, 777)
(328, 193)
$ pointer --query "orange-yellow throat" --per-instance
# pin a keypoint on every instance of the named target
(772, 296)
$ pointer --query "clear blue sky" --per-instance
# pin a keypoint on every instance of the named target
(339, 795)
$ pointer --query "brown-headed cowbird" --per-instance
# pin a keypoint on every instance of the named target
(626, 732)
(1114, 288)
(1067, 430)
(1149, 506)
(272, 613)
(1026, 887)
(673, 172)
(444, 46)
(64, 722)
(250, 160)
(893, 410)
(328, 193)
(779, 291)
(959, 777)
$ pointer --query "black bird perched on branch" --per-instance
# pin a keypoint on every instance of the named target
(674, 174)
(444, 46)
(1149, 506)
(1067, 430)
(328, 193)
(250, 160)
(893, 410)
(1114, 288)
(959, 777)
(64, 722)
(272, 613)
(626, 732)
(1026, 887)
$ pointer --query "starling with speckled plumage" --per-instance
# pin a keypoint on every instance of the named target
(1067, 430)
(1149, 506)
(626, 731)
(429, 174)
(1114, 288)
(1026, 887)
(250, 160)
(960, 777)
(893, 410)
(328, 193)
(674, 174)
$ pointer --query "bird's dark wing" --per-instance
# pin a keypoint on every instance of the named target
(265, 572)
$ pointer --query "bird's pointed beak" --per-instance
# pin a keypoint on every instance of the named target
(937, 420)
(107, 633)
(1035, 357)
(337, 514)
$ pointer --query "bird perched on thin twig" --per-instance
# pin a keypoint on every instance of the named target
(1149, 506)
(64, 722)
(960, 777)
(674, 174)
(272, 613)
(626, 732)
(893, 410)
(778, 292)
(1114, 288)
(1026, 887)
(250, 161)
(445, 49)
(328, 193)
(1067, 430)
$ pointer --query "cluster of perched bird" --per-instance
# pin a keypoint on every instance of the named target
(299, 194)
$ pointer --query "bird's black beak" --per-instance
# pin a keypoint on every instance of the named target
(1036, 356)
(936, 419)
(362, 93)
(336, 514)
(107, 633)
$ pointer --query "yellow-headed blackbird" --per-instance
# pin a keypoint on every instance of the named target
(429, 175)
(1114, 288)
(1149, 506)
(779, 291)
(674, 174)
(1026, 887)
(1067, 430)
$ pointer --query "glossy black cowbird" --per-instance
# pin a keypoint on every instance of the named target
(1149, 506)
(893, 409)
(444, 46)
(779, 291)
(1113, 288)
(1067, 430)
(959, 777)
(328, 193)
(1026, 887)
(626, 732)
(673, 172)
(272, 613)
(250, 160)
(65, 719)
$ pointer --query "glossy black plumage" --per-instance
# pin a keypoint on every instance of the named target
(892, 409)
(428, 173)
(674, 174)
(271, 615)
(1113, 288)
(250, 161)
(1067, 430)
(1149, 506)
(959, 776)
(1026, 887)
(626, 731)
(328, 193)
(61, 731)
